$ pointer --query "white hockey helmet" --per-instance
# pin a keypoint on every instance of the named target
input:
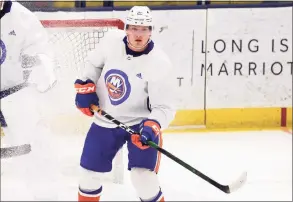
(139, 15)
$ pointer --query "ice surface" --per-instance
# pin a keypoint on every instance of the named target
(50, 171)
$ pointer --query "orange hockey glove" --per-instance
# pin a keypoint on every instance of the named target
(86, 96)
(149, 130)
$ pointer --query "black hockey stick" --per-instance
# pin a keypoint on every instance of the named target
(225, 188)
(13, 151)
(12, 90)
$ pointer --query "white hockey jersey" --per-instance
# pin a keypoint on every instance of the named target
(24, 47)
(131, 86)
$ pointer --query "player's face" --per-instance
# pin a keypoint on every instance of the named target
(138, 37)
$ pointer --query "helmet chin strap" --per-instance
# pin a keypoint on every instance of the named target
(128, 43)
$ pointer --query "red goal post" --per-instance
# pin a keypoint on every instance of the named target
(83, 23)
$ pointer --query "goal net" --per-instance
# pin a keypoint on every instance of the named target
(71, 41)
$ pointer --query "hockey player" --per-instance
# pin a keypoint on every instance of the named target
(27, 68)
(129, 77)
(25, 59)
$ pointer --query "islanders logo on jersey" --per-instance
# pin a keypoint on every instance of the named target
(2, 52)
(118, 86)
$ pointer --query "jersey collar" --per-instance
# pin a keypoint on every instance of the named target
(148, 49)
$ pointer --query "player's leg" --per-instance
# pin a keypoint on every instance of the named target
(2, 125)
(144, 166)
(4, 94)
(4, 128)
(16, 107)
(2, 120)
(100, 147)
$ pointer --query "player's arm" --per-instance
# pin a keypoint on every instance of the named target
(86, 84)
(94, 64)
(162, 104)
(162, 96)
(37, 54)
(96, 58)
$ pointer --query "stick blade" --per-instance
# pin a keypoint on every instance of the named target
(237, 184)
(8, 152)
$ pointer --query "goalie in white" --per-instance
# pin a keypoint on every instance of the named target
(131, 78)
(26, 60)
(27, 72)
